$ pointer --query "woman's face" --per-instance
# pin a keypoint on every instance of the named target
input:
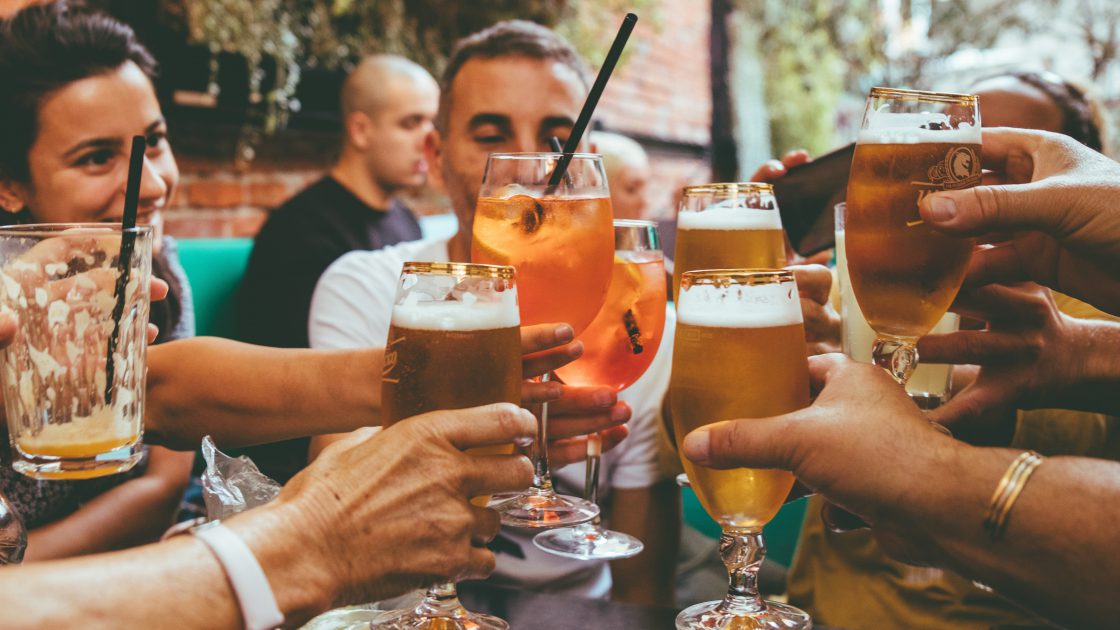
(79, 161)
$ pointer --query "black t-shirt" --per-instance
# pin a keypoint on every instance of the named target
(295, 246)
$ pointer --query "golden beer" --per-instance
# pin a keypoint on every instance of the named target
(739, 353)
(728, 226)
(562, 248)
(452, 354)
(904, 273)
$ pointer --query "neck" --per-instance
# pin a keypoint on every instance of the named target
(352, 173)
(459, 247)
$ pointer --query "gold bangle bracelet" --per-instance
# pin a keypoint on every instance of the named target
(1007, 492)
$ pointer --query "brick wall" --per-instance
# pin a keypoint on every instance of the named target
(661, 96)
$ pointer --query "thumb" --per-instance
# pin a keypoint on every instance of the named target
(746, 443)
(984, 209)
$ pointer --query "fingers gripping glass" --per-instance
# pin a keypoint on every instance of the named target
(619, 346)
(559, 237)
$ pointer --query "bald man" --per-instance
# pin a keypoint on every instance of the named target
(388, 104)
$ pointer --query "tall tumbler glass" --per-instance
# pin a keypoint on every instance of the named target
(74, 374)
(739, 353)
(904, 273)
(454, 342)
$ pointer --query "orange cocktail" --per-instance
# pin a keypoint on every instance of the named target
(562, 249)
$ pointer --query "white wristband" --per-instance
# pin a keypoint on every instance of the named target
(258, 604)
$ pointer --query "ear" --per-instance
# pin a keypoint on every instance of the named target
(12, 197)
(358, 130)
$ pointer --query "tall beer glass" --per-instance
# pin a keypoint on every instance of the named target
(739, 353)
(560, 240)
(904, 273)
(618, 347)
(931, 383)
(728, 226)
(454, 342)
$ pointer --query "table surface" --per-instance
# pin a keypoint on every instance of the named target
(540, 611)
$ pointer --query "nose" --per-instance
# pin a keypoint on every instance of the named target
(152, 186)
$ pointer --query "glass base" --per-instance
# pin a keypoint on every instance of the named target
(45, 467)
(412, 620)
(730, 614)
(588, 542)
(540, 509)
(347, 618)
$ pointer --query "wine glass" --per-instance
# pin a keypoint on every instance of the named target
(619, 346)
(559, 238)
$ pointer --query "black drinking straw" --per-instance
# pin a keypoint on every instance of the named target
(124, 261)
(554, 143)
(593, 99)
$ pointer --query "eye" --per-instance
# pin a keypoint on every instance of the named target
(100, 157)
(156, 139)
(489, 139)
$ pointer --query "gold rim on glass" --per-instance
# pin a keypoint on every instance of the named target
(727, 277)
(923, 96)
(728, 187)
(69, 229)
(471, 270)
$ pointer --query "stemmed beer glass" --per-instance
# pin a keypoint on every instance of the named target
(454, 342)
(904, 273)
(619, 346)
(560, 240)
(739, 352)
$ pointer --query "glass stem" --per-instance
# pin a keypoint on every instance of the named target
(441, 600)
(899, 357)
(542, 477)
(591, 479)
(742, 550)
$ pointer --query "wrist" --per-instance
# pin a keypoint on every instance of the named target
(1092, 353)
(284, 546)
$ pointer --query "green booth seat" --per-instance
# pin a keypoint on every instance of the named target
(215, 267)
(781, 533)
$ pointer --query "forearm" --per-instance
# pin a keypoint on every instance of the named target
(131, 514)
(651, 515)
(1057, 557)
(243, 394)
(1097, 352)
(176, 584)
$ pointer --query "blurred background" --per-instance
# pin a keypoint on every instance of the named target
(710, 88)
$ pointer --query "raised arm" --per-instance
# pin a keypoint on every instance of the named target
(243, 394)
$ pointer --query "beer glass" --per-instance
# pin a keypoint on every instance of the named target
(728, 226)
(454, 342)
(931, 383)
(560, 240)
(904, 273)
(619, 346)
(739, 353)
(73, 377)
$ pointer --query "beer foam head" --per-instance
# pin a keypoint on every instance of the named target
(740, 306)
(885, 127)
(459, 315)
(729, 215)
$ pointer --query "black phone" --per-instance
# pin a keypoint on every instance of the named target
(807, 195)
